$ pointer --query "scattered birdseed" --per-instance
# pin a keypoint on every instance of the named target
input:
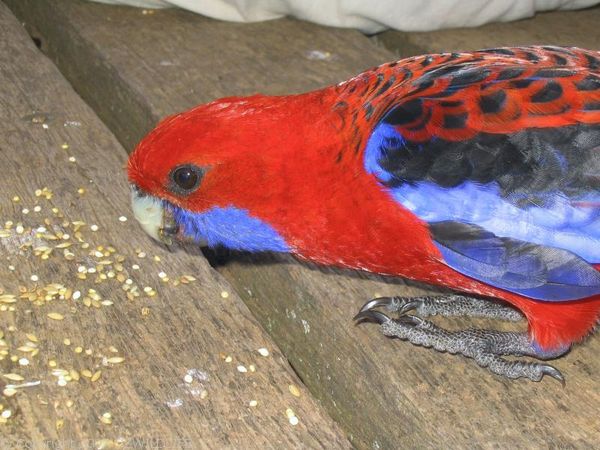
(242, 369)
(94, 227)
(252, 403)
(55, 316)
(72, 159)
(263, 351)
(174, 403)
(25, 211)
(34, 278)
(135, 267)
(37, 208)
(61, 381)
(162, 275)
(6, 414)
(81, 191)
(294, 390)
(252, 368)
(115, 359)
(65, 146)
(9, 392)
(106, 418)
(228, 359)
(188, 378)
(224, 294)
(16, 199)
(13, 377)
(96, 376)
(23, 362)
(291, 416)
(122, 219)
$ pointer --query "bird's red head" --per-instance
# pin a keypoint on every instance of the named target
(188, 154)
(231, 153)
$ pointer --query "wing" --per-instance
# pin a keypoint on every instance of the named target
(511, 147)
(535, 271)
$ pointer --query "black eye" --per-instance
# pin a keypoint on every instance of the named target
(186, 179)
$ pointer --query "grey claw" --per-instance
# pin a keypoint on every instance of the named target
(376, 303)
(409, 306)
(554, 373)
(411, 320)
(371, 316)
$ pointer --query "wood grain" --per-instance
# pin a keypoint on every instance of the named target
(184, 329)
(566, 28)
(384, 393)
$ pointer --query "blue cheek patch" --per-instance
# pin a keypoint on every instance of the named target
(230, 227)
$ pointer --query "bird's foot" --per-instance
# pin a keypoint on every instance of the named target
(447, 305)
(486, 347)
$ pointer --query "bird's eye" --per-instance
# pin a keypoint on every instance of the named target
(186, 179)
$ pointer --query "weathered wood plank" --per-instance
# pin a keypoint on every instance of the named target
(385, 394)
(186, 329)
(569, 28)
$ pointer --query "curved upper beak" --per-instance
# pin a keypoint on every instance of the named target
(154, 218)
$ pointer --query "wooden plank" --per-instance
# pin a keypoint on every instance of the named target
(184, 330)
(386, 394)
(569, 28)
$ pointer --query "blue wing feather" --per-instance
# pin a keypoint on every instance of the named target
(532, 270)
(534, 198)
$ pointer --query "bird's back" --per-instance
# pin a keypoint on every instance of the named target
(499, 152)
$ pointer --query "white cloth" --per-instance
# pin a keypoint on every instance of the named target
(370, 16)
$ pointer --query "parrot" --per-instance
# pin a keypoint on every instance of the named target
(477, 172)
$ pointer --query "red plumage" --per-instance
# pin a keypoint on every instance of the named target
(297, 162)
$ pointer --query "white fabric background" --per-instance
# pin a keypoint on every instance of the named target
(370, 16)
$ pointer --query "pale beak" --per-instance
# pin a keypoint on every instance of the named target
(150, 212)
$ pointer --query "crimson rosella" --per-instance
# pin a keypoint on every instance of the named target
(479, 172)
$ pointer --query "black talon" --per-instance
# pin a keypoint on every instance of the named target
(554, 373)
(409, 306)
(410, 320)
(376, 303)
(371, 316)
